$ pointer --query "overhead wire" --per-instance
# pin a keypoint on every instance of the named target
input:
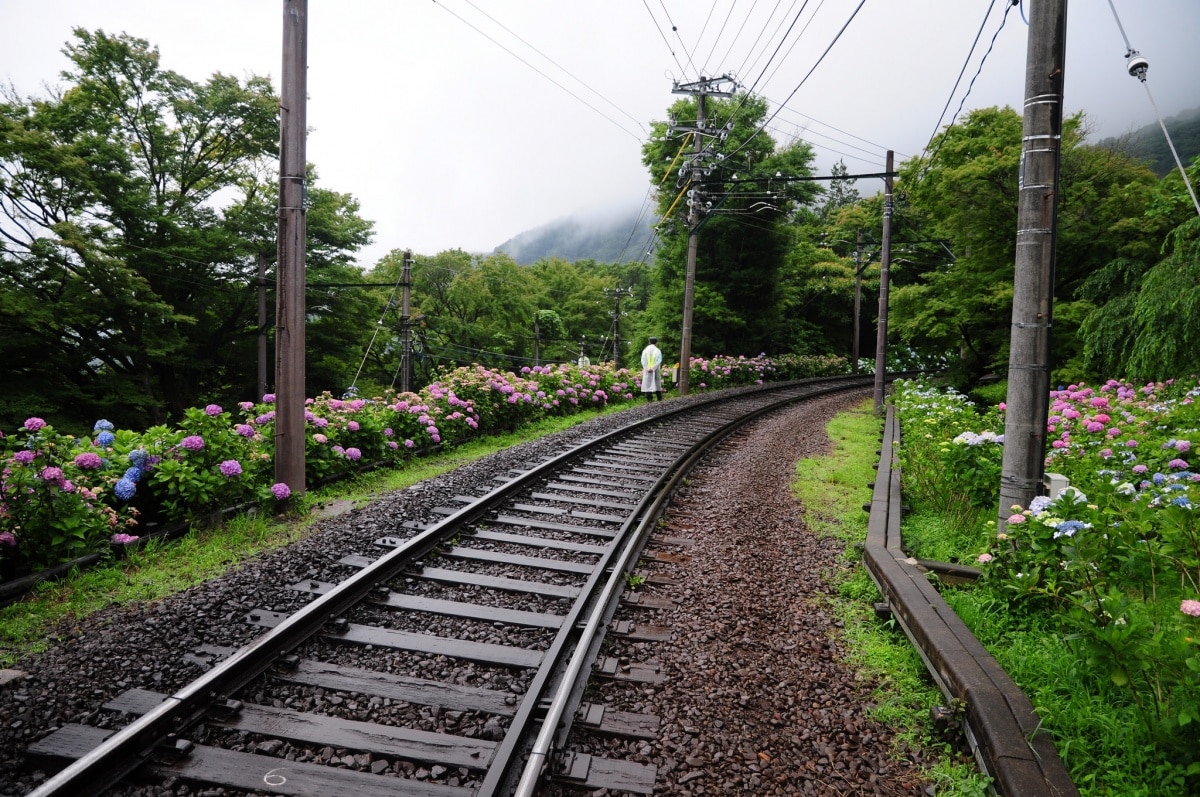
(666, 41)
(803, 80)
(443, 6)
(1008, 7)
(566, 71)
(1139, 69)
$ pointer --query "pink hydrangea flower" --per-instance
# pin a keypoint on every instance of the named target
(984, 558)
(33, 424)
(1190, 607)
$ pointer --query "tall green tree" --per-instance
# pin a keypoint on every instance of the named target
(749, 198)
(135, 205)
(965, 194)
(1144, 307)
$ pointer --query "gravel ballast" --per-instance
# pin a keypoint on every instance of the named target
(758, 698)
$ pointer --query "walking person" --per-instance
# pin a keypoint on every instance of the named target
(652, 361)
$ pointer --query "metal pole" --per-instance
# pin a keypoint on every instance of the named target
(406, 325)
(289, 307)
(858, 270)
(885, 257)
(1028, 396)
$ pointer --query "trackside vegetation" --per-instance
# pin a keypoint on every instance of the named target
(1090, 599)
(64, 496)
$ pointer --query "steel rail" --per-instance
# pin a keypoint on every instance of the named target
(133, 745)
(539, 756)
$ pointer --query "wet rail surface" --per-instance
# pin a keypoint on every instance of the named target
(518, 585)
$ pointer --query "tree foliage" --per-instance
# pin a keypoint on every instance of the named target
(965, 193)
(748, 199)
(134, 204)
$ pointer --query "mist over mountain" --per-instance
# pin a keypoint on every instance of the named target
(611, 236)
(1148, 144)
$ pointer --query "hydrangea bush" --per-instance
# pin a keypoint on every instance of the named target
(63, 496)
(1114, 559)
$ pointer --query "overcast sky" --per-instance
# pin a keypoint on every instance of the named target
(461, 123)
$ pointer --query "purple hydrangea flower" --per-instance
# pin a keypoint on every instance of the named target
(213, 409)
(281, 491)
(244, 429)
(231, 467)
(246, 406)
(193, 442)
(88, 461)
(353, 454)
(269, 398)
(24, 457)
(121, 538)
(52, 474)
(7, 538)
(33, 424)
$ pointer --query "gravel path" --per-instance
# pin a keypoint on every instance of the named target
(758, 701)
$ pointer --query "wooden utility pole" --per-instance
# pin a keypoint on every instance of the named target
(262, 325)
(702, 88)
(858, 270)
(406, 325)
(885, 259)
(616, 294)
(689, 279)
(289, 306)
(1028, 396)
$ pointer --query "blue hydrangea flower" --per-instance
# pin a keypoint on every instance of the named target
(105, 438)
(134, 474)
(102, 426)
(138, 457)
(125, 489)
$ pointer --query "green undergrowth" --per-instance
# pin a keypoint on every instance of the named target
(159, 569)
(833, 489)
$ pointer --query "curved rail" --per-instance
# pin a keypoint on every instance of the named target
(580, 630)
(1002, 727)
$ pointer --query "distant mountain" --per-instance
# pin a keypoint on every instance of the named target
(1147, 144)
(622, 236)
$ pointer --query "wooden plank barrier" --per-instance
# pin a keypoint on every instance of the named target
(1001, 725)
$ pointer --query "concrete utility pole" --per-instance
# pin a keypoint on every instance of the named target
(885, 259)
(290, 283)
(1028, 397)
(406, 324)
(702, 88)
(617, 294)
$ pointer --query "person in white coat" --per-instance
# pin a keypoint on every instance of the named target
(652, 362)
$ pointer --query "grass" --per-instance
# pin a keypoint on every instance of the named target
(833, 489)
(164, 568)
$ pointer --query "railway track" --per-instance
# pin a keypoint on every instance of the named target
(470, 642)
